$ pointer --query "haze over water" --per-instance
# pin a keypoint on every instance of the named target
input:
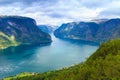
(44, 58)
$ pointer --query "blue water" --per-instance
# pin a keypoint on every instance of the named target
(44, 58)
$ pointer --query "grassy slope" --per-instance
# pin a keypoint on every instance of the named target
(6, 41)
(104, 64)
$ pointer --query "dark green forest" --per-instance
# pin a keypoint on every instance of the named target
(104, 64)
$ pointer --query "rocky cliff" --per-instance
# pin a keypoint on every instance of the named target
(16, 30)
(90, 31)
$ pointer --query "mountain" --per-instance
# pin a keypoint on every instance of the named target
(17, 30)
(99, 20)
(104, 64)
(95, 31)
(46, 28)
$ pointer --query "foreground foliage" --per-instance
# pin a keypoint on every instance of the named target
(104, 64)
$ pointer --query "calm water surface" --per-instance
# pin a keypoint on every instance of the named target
(44, 58)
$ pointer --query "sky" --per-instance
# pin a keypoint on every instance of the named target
(56, 12)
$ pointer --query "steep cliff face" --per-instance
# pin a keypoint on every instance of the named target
(90, 31)
(21, 30)
(109, 30)
(82, 30)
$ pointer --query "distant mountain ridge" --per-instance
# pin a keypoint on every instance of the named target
(99, 20)
(16, 30)
(90, 31)
(46, 28)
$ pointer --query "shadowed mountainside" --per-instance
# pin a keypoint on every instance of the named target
(46, 28)
(95, 31)
(16, 30)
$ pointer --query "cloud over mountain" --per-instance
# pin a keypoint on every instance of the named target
(58, 11)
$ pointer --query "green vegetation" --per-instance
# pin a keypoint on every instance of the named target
(104, 64)
(6, 41)
(22, 75)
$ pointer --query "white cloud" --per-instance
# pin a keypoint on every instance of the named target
(111, 10)
(56, 12)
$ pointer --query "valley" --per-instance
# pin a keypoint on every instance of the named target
(38, 52)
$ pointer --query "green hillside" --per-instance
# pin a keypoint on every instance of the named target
(104, 64)
(6, 41)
